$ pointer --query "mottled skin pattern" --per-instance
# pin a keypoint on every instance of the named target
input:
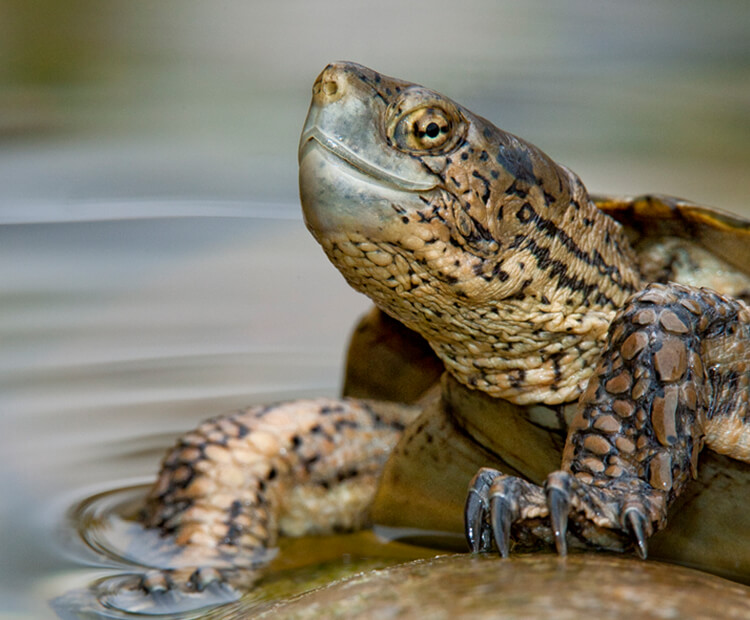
(525, 290)
(648, 410)
(230, 487)
(470, 266)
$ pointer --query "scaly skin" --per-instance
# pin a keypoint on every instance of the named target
(663, 388)
(495, 254)
(503, 264)
(230, 487)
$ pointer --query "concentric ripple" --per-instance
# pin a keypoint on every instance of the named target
(106, 525)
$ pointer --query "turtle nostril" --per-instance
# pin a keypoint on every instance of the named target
(329, 87)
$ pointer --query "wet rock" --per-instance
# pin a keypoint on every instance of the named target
(529, 586)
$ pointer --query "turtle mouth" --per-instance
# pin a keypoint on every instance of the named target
(315, 138)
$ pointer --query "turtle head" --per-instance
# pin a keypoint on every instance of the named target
(464, 232)
(360, 153)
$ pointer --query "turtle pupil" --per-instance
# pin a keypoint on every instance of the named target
(432, 130)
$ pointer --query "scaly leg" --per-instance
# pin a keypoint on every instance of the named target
(230, 487)
(675, 375)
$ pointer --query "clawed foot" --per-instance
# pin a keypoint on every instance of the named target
(564, 512)
(166, 592)
(158, 582)
(496, 502)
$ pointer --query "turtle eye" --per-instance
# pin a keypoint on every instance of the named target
(424, 129)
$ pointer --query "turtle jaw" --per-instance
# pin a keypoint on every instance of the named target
(340, 197)
(314, 136)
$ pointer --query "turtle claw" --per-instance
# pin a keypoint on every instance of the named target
(501, 518)
(477, 509)
(606, 518)
(566, 511)
(166, 592)
(496, 502)
(204, 577)
(557, 491)
(474, 515)
(163, 583)
(156, 583)
(635, 522)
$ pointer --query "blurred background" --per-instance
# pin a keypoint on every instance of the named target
(154, 267)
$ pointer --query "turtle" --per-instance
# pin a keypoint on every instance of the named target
(543, 367)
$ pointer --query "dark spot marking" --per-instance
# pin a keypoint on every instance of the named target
(514, 189)
(233, 532)
(344, 423)
(486, 194)
(517, 377)
(555, 357)
(517, 161)
(235, 509)
(525, 213)
(310, 461)
(498, 272)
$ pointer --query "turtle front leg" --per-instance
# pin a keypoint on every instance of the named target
(674, 376)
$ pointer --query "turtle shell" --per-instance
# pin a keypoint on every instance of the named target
(725, 235)
(425, 481)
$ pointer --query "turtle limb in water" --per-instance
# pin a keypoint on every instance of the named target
(533, 295)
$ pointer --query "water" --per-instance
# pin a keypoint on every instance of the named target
(109, 352)
(154, 268)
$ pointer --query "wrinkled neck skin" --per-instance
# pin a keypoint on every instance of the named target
(505, 266)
